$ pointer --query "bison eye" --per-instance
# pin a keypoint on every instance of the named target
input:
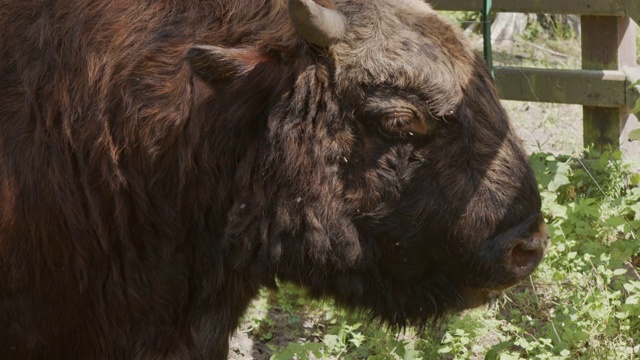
(403, 123)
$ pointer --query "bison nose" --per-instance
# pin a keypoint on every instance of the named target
(527, 251)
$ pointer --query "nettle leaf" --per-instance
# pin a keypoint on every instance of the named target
(557, 182)
(632, 286)
(541, 165)
(561, 176)
(558, 211)
(412, 354)
(621, 315)
(636, 209)
(615, 222)
(618, 272)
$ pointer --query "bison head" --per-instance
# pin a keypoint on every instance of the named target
(373, 162)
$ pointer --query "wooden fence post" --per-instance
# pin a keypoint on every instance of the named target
(609, 43)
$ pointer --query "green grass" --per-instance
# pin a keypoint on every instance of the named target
(580, 304)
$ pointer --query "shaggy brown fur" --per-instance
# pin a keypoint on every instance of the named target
(149, 188)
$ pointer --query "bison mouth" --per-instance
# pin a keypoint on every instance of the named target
(505, 261)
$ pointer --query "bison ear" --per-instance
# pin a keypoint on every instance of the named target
(216, 64)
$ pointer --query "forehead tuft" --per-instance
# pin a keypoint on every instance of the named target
(404, 44)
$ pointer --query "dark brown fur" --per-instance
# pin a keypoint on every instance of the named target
(141, 208)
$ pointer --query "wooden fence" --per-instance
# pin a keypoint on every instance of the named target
(609, 66)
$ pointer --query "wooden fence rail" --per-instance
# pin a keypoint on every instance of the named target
(608, 66)
(629, 8)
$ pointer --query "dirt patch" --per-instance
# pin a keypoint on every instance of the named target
(553, 128)
(275, 320)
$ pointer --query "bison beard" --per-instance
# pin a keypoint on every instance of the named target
(160, 161)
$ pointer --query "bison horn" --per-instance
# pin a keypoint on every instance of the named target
(319, 25)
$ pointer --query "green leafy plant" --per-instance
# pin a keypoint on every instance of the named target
(533, 31)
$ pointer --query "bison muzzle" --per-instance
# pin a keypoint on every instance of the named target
(162, 160)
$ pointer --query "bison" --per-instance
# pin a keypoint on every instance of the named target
(163, 160)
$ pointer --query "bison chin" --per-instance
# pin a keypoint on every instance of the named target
(403, 286)
(505, 260)
(502, 262)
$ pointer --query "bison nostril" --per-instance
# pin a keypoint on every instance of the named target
(525, 257)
